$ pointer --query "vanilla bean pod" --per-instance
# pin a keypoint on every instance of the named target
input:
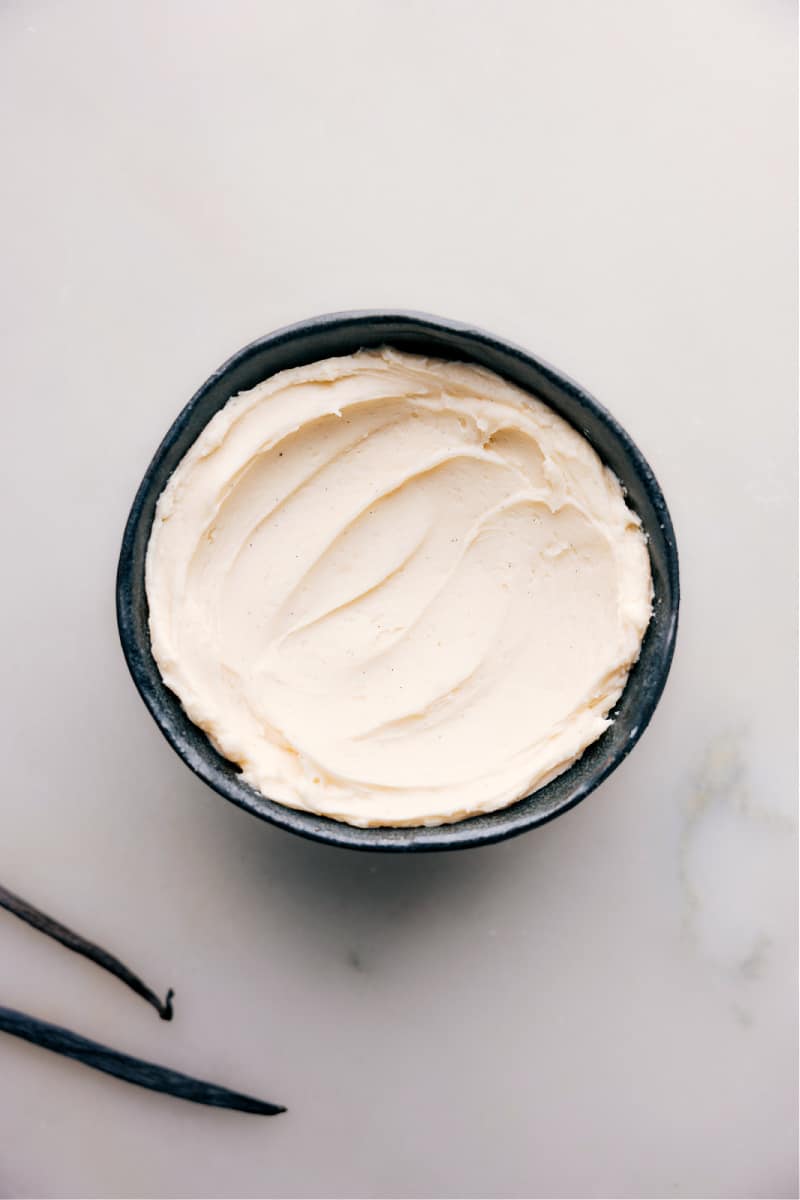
(124, 1066)
(73, 941)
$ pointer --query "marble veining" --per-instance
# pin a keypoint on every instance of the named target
(733, 838)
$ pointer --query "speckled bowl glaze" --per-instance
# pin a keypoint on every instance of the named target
(344, 333)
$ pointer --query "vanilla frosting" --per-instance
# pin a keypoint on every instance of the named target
(395, 590)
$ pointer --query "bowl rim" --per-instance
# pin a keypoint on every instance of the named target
(470, 832)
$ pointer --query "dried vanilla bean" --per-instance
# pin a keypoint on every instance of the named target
(73, 941)
(123, 1066)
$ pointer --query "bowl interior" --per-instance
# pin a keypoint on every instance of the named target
(344, 334)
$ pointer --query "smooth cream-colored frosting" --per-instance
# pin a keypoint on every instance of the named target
(395, 590)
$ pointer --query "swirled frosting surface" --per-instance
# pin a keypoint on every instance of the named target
(395, 590)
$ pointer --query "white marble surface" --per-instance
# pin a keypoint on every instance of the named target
(605, 1007)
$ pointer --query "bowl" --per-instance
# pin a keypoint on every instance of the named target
(344, 333)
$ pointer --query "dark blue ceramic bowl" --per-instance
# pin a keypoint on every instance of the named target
(344, 333)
